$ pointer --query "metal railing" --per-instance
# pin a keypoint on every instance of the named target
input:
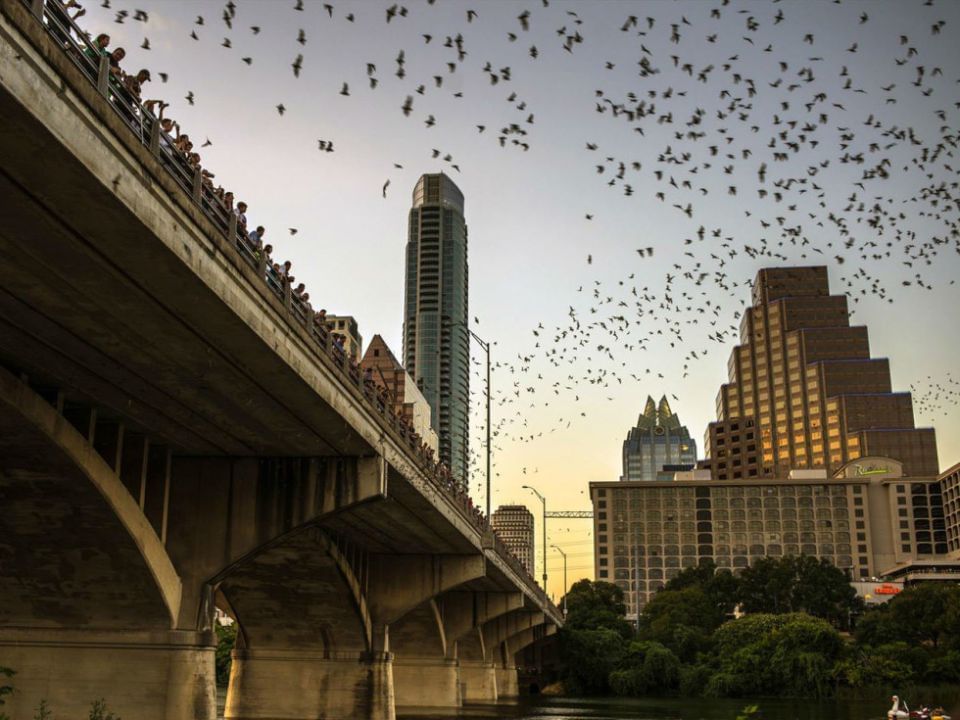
(94, 65)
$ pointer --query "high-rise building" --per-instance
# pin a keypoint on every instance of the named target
(513, 524)
(804, 392)
(658, 440)
(869, 518)
(346, 325)
(436, 343)
(387, 372)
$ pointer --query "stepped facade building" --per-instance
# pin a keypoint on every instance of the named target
(804, 391)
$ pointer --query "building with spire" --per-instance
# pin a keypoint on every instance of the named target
(658, 446)
(804, 392)
(436, 343)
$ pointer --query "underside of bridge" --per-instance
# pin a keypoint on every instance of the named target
(171, 442)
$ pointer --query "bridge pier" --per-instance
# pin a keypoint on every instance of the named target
(508, 683)
(148, 675)
(296, 684)
(426, 684)
(478, 680)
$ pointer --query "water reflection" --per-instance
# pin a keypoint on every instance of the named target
(675, 709)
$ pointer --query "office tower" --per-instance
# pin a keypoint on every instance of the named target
(803, 391)
(346, 325)
(658, 440)
(869, 517)
(513, 524)
(387, 372)
(436, 343)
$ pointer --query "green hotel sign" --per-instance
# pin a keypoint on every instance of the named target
(862, 470)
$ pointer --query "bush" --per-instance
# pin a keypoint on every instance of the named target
(788, 655)
(5, 690)
(649, 668)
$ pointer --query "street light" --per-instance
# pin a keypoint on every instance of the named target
(486, 348)
(544, 501)
(555, 547)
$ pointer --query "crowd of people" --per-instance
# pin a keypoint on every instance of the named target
(125, 92)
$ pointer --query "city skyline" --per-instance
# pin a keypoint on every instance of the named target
(531, 206)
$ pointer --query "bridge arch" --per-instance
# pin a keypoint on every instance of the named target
(78, 551)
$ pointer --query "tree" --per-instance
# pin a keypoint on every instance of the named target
(681, 620)
(594, 605)
(647, 668)
(791, 655)
(589, 658)
(721, 586)
(798, 584)
(925, 613)
(226, 639)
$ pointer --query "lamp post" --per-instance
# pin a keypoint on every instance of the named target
(557, 548)
(544, 501)
(485, 346)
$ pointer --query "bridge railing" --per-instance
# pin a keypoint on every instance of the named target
(94, 65)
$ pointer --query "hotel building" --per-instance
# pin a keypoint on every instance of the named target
(869, 518)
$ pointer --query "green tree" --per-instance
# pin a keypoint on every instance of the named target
(648, 668)
(595, 605)
(792, 655)
(721, 586)
(798, 584)
(589, 658)
(681, 620)
(927, 613)
(226, 639)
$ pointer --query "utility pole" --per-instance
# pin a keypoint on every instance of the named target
(544, 501)
(485, 346)
(557, 548)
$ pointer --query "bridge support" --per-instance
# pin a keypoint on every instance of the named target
(302, 685)
(478, 680)
(426, 684)
(508, 683)
(149, 675)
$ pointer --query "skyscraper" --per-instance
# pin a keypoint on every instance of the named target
(436, 343)
(804, 392)
(658, 440)
(514, 525)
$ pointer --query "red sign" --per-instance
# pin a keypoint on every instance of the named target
(887, 589)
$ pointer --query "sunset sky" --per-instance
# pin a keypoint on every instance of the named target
(526, 210)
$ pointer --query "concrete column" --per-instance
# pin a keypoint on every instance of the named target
(425, 684)
(478, 681)
(296, 684)
(508, 683)
(148, 675)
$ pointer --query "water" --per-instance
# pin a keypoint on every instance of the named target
(542, 708)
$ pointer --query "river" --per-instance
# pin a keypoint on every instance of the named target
(541, 708)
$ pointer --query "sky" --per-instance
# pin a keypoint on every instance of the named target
(751, 134)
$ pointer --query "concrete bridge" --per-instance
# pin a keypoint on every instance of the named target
(177, 435)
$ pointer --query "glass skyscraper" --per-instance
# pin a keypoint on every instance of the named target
(658, 440)
(436, 342)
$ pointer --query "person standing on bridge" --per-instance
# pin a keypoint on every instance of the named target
(97, 48)
(255, 236)
(242, 216)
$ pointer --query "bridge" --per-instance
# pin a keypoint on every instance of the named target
(177, 434)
